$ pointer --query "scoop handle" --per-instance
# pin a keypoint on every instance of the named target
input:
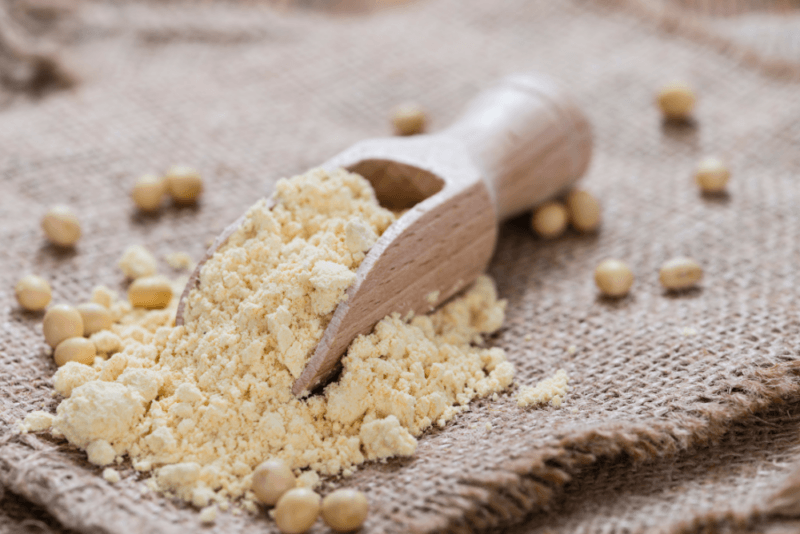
(529, 139)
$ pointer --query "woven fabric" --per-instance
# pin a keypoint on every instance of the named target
(727, 486)
(250, 93)
(759, 33)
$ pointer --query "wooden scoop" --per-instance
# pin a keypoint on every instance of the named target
(516, 145)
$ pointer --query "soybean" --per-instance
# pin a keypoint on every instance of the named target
(345, 510)
(613, 277)
(61, 226)
(61, 322)
(33, 292)
(95, 317)
(584, 211)
(408, 119)
(75, 349)
(680, 273)
(151, 292)
(184, 184)
(148, 192)
(676, 101)
(550, 219)
(297, 510)
(271, 480)
(712, 175)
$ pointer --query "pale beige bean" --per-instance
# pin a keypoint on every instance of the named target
(712, 175)
(613, 277)
(550, 219)
(148, 192)
(61, 322)
(409, 119)
(75, 349)
(33, 292)
(297, 511)
(95, 317)
(184, 184)
(151, 292)
(680, 273)
(61, 226)
(584, 211)
(271, 480)
(345, 510)
(676, 101)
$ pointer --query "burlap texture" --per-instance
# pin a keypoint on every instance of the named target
(662, 429)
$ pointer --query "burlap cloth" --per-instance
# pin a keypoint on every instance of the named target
(684, 410)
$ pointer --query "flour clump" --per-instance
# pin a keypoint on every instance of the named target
(552, 390)
(203, 404)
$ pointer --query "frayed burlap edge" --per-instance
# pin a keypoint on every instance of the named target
(71, 501)
(530, 484)
(781, 507)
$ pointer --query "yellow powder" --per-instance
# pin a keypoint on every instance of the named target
(137, 262)
(309, 479)
(180, 260)
(106, 342)
(432, 298)
(382, 438)
(208, 514)
(111, 475)
(100, 452)
(103, 296)
(100, 411)
(72, 375)
(552, 390)
(358, 236)
(36, 422)
(201, 405)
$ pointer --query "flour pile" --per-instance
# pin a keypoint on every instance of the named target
(201, 405)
